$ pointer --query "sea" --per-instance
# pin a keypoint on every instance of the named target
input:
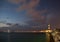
(22, 37)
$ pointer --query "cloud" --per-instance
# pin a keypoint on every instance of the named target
(16, 1)
(9, 23)
(29, 5)
(2, 21)
(31, 12)
(36, 14)
(4, 25)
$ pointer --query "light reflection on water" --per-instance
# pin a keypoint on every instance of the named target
(22, 37)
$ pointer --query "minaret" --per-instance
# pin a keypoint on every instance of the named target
(49, 26)
(48, 33)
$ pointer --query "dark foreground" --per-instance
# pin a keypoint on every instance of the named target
(22, 37)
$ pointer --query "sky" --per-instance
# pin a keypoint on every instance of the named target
(30, 14)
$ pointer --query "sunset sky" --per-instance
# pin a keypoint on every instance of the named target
(30, 14)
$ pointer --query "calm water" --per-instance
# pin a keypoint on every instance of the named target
(22, 37)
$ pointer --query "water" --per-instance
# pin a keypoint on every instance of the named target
(22, 37)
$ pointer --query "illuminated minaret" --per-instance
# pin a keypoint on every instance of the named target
(49, 26)
(48, 33)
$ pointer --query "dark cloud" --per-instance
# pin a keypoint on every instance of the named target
(8, 23)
